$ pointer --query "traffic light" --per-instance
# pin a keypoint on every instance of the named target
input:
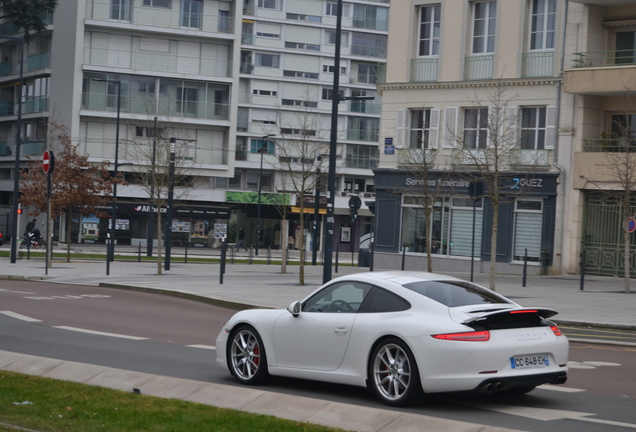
(19, 211)
(354, 213)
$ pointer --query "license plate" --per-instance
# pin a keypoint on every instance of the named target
(529, 361)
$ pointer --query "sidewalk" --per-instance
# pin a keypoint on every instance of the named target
(602, 302)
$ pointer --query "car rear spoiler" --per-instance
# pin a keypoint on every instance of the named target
(501, 313)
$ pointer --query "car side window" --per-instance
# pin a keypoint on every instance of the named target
(380, 300)
(341, 297)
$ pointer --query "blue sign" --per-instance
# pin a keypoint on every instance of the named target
(389, 149)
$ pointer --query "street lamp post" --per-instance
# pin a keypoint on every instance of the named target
(113, 216)
(262, 151)
(151, 212)
(169, 213)
(16, 175)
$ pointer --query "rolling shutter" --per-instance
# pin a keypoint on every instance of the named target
(528, 234)
(461, 235)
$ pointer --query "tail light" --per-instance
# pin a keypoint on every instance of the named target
(476, 336)
(556, 330)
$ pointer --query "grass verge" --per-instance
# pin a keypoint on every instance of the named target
(71, 407)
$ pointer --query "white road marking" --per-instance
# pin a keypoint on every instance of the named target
(547, 414)
(579, 365)
(560, 388)
(210, 347)
(67, 297)
(598, 363)
(21, 292)
(20, 317)
(100, 333)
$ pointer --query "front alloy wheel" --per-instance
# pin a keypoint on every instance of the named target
(246, 356)
(393, 374)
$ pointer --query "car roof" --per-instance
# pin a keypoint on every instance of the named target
(400, 277)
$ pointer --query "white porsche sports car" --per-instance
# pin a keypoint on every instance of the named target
(399, 333)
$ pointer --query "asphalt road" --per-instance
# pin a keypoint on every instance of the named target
(175, 337)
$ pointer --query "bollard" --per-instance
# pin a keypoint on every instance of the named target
(231, 253)
(139, 253)
(525, 268)
(223, 254)
(544, 261)
(185, 259)
(583, 257)
(371, 255)
(403, 256)
(337, 250)
(269, 255)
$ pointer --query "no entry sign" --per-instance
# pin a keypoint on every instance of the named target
(48, 162)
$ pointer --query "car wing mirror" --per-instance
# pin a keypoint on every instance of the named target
(294, 308)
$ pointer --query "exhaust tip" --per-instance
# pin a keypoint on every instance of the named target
(499, 385)
(490, 387)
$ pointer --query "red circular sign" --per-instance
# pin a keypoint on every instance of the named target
(631, 225)
(47, 162)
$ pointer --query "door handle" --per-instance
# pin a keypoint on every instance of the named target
(341, 330)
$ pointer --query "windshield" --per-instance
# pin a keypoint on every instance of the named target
(455, 293)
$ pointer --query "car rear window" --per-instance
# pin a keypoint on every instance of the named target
(454, 293)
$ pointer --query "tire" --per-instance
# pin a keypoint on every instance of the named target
(516, 391)
(246, 357)
(393, 374)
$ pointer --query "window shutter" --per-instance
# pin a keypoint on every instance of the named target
(433, 135)
(550, 127)
(450, 127)
(401, 128)
(513, 119)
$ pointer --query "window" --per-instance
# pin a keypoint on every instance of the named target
(191, 13)
(267, 4)
(327, 93)
(220, 182)
(332, 9)
(302, 46)
(331, 38)
(484, 23)
(224, 21)
(148, 132)
(297, 74)
(343, 297)
(624, 126)
(235, 182)
(528, 228)
(370, 17)
(454, 294)
(251, 180)
(267, 60)
(367, 44)
(353, 185)
(363, 128)
(302, 17)
(157, 3)
(430, 18)
(382, 301)
(268, 146)
(543, 24)
(331, 69)
(533, 130)
(120, 10)
(187, 100)
(625, 47)
(265, 92)
(420, 128)
(291, 131)
(293, 102)
(475, 128)
(367, 73)
(268, 35)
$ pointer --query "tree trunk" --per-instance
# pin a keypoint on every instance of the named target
(627, 267)
(493, 244)
(159, 243)
(69, 237)
(284, 234)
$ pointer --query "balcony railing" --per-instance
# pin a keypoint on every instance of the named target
(422, 157)
(39, 61)
(362, 135)
(479, 67)
(6, 68)
(102, 10)
(36, 104)
(538, 64)
(424, 69)
(533, 158)
(361, 162)
(610, 145)
(167, 107)
(5, 149)
(247, 68)
(469, 157)
(368, 51)
(141, 60)
(6, 108)
(604, 58)
(370, 23)
(247, 39)
(365, 107)
(34, 147)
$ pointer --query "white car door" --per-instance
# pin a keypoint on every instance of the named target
(318, 337)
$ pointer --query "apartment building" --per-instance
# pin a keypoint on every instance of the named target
(596, 134)
(472, 88)
(217, 76)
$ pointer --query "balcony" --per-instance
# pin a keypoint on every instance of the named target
(363, 135)
(361, 162)
(370, 23)
(368, 51)
(606, 72)
(247, 68)
(39, 61)
(6, 108)
(609, 145)
(34, 147)
(103, 10)
(537, 64)
(479, 67)
(424, 69)
(471, 157)
(421, 157)
(530, 158)
(5, 149)
(247, 39)
(364, 107)
(36, 104)
(156, 62)
(597, 164)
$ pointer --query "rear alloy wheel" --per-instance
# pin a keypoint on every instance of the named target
(393, 374)
(246, 356)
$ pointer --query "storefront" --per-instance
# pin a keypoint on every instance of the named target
(526, 220)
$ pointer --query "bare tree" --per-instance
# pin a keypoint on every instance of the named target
(489, 146)
(76, 182)
(300, 155)
(617, 160)
(151, 154)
